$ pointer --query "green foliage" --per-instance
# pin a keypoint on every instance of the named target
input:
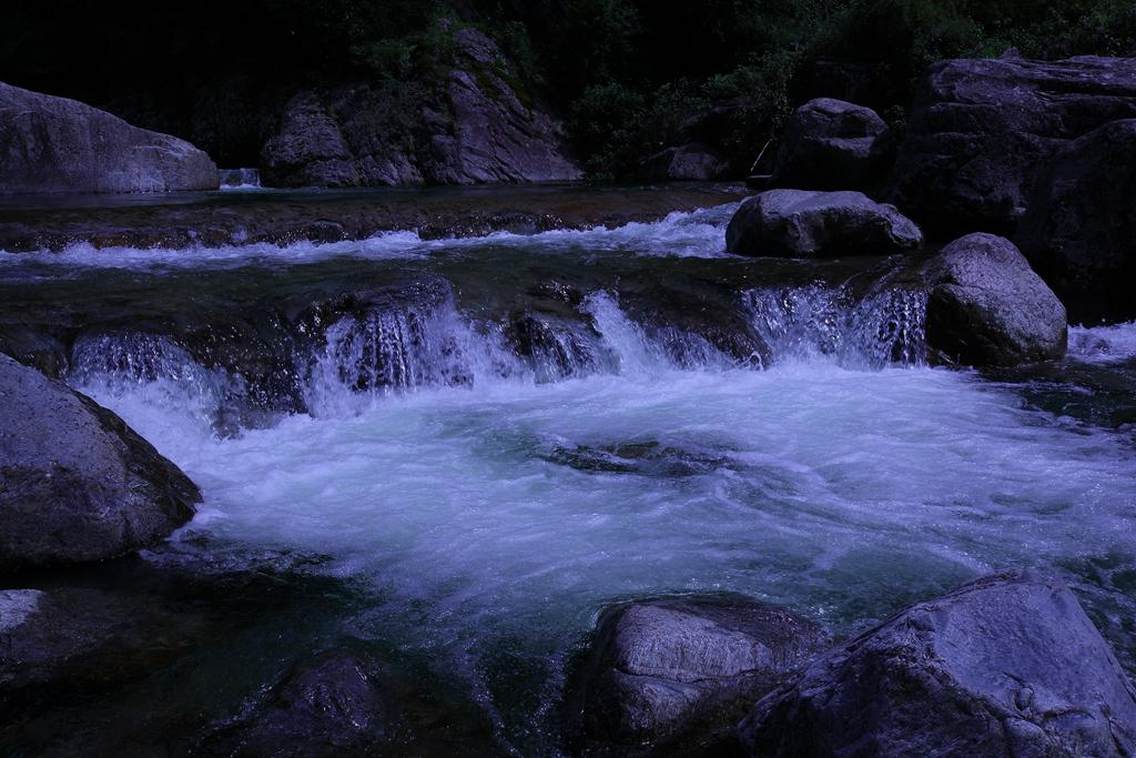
(632, 76)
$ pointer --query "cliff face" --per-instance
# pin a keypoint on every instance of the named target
(469, 124)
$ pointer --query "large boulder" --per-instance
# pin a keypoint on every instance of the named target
(1080, 229)
(470, 125)
(76, 483)
(980, 130)
(801, 224)
(987, 307)
(667, 670)
(831, 145)
(53, 144)
(1007, 666)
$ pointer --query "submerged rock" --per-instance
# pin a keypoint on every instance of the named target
(349, 702)
(678, 670)
(76, 483)
(987, 307)
(1009, 665)
(1080, 229)
(982, 128)
(53, 144)
(831, 145)
(333, 705)
(801, 224)
(470, 126)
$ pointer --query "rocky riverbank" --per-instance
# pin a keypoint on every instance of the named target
(965, 242)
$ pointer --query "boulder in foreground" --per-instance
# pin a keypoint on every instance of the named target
(670, 671)
(987, 307)
(1009, 665)
(76, 483)
(831, 145)
(1080, 227)
(787, 223)
(53, 144)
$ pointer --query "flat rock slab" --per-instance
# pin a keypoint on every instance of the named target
(1009, 665)
(235, 218)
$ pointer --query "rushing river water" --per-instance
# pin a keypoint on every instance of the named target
(482, 501)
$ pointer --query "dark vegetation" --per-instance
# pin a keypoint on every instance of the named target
(629, 76)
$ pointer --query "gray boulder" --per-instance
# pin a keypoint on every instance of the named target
(831, 145)
(1007, 666)
(987, 307)
(981, 129)
(673, 669)
(76, 483)
(470, 125)
(53, 144)
(800, 224)
(1080, 229)
(691, 162)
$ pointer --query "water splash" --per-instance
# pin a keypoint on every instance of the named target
(819, 322)
(1103, 344)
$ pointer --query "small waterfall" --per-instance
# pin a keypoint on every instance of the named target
(804, 323)
(398, 348)
(558, 349)
(240, 178)
(134, 363)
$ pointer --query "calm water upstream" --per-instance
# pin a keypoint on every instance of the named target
(517, 430)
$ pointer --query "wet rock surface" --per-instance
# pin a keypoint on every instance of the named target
(674, 673)
(349, 702)
(76, 483)
(53, 144)
(280, 218)
(1080, 229)
(472, 128)
(987, 307)
(1007, 665)
(832, 145)
(981, 130)
(803, 224)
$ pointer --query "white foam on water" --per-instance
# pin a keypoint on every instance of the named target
(1103, 344)
(810, 484)
(698, 233)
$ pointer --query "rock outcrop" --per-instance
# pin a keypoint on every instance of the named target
(800, 224)
(76, 483)
(53, 144)
(987, 307)
(1080, 229)
(981, 129)
(831, 145)
(676, 669)
(472, 126)
(1007, 666)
